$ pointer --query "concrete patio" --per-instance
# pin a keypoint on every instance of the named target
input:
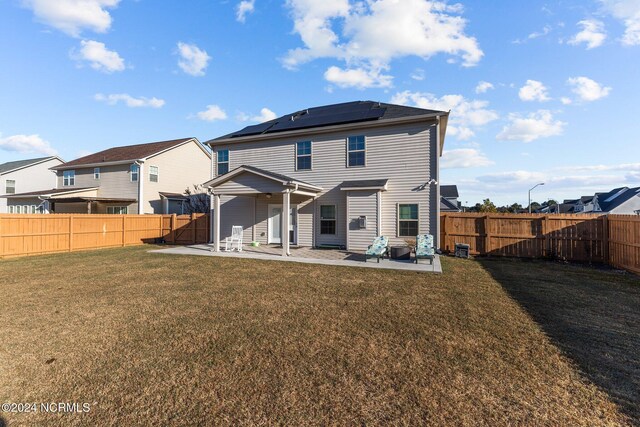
(309, 256)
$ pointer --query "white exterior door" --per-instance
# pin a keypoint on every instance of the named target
(275, 225)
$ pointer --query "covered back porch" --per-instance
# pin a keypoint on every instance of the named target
(271, 208)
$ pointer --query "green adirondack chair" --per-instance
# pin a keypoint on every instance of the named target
(378, 249)
(424, 247)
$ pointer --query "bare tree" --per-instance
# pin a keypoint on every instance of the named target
(197, 200)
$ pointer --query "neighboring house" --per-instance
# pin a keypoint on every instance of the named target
(449, 198)
(622, 200)
(141, 179)
(23, 176)
(342, 174)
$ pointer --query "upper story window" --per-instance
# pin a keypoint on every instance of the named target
(153, 173)
(356, 151)
(303, 155)
(408, 220)
(10, 187)
(134, 171)
(96, 173)
(223, 162)
(68, 178)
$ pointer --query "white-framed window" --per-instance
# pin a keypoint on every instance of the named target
(117, 210)
(408, 223)
(154, 173)
(356, 151)
(303, 155)
(134, 171)
(10, 186)
(328, 219)
(68, 178)
(33, 209)
(12, 209)
(223, 161)
(18, 209)
(96, 173)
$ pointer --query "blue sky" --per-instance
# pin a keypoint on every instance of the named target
(539, 91)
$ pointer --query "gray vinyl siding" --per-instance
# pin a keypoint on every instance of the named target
(403, 154)
(361, 203)
(114, 181)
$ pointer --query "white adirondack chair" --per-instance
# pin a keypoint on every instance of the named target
(235, 239)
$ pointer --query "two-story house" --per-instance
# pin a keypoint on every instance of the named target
(133, 179)
(23, 176)
(336, 175)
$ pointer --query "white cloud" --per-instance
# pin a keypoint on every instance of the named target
(212, 113)
(483, 87)
(627, 11)
(588, 90)
(466, 115)
(418, 74)
(464, 158)
(73, 16)
(98, 56)
(359, 78)
(592, 34)
(244, 8)
(27, 144)
(539, 124)
(420, 28)
(566, 101)
(129, 100)
(533, 91)
(265, 116)
(193, 59)
(535, 35)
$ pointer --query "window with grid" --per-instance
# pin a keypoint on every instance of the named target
(134, 172)
(303, 155)
(10, 187)
(69, 178)
(327, 219)
(356, 151)
(153, 173)
(223, 162)
(407, 220)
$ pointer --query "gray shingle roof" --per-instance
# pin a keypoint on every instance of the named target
(450, 191)
(5, 167)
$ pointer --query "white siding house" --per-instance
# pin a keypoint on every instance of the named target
(24, 176)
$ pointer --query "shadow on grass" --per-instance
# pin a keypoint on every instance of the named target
(592, 315)
(3, 423)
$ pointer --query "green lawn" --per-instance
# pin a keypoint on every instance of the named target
(157, 339)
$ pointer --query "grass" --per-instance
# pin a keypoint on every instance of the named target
(156, 339)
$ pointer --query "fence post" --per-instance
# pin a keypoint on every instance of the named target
(1, 244)
(123, 230)
(605, 239)
(193, 228)
(546, 251)
(172, 232)
(70, 233)
(487, 236)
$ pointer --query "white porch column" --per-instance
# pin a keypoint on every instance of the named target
(211, 225)
(216, 223)
(286, 207)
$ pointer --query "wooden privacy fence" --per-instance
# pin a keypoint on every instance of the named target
(42, 234)
(613, 239)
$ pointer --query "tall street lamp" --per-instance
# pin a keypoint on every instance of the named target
(530, 190)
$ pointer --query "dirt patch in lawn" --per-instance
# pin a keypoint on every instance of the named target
(156, 339)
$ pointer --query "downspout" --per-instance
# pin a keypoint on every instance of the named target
(437, 178)
(288, 217)
(45, 209)
(140, 164)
